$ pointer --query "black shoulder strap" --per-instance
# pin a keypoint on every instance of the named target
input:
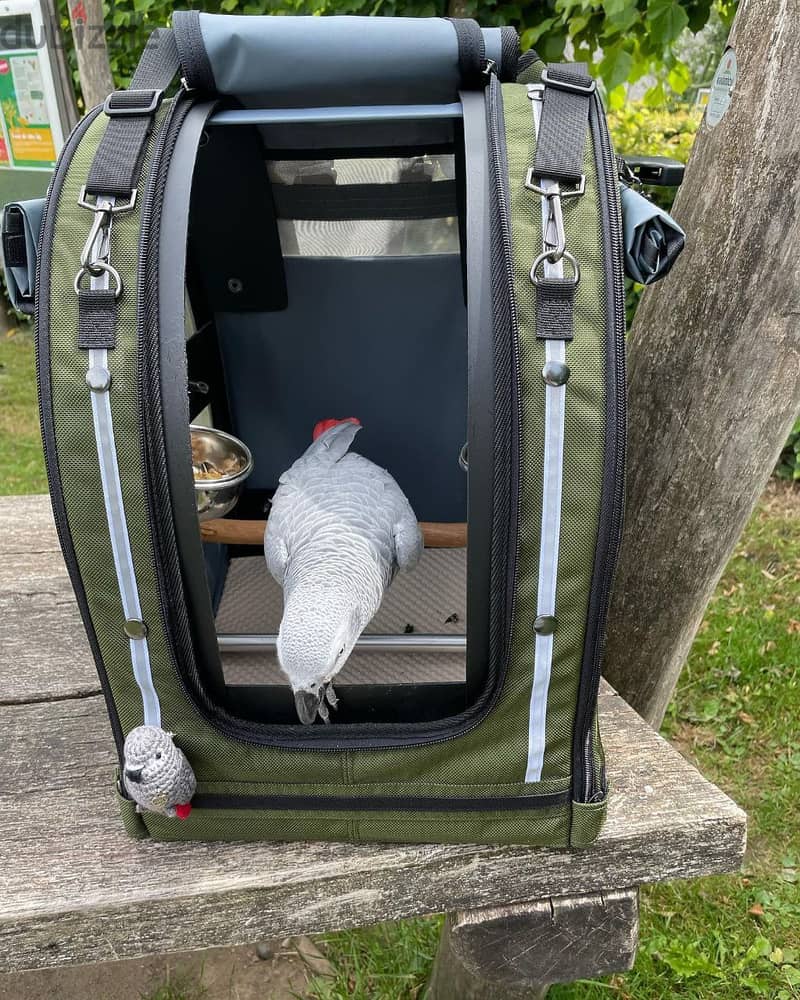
(118, 160)
(559, 160)
(568, 89)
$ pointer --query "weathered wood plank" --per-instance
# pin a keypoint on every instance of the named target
(27, 525)
(44, 654)
(519, 951)
(77, 890)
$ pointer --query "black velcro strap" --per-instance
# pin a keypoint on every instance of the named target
(118, 160)
(15, 251)
(555, 307)
(410, 200)
(564, 123)
(97, 319)
(471, 53)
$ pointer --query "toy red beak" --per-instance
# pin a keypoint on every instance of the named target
(325, 425)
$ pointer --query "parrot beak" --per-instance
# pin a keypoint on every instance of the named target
(134, 774)
(307, 705)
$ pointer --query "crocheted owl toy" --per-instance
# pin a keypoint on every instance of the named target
(156, 773)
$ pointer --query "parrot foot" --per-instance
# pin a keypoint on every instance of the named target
(330, 696)
(324, 714)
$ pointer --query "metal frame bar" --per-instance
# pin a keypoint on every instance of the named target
(411, 643)
(307, 116)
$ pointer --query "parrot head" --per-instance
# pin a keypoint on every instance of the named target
(318, 631)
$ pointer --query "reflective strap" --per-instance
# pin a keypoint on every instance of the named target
(555, 398)
(118, 528)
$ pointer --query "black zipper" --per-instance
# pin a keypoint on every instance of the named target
(173, 601)
(379, 803)
(508, 405)
(42, 340)
(589, 786)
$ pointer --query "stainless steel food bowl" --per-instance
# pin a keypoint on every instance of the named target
(216, 497)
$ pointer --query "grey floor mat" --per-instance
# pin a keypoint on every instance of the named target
(431, 599)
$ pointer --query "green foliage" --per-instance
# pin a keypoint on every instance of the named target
(637, 128)
(788, 466)
(636, 37)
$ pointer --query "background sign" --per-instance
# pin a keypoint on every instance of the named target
(31, 127)
(722, 88)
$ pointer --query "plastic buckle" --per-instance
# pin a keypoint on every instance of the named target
(572, 88)
(153, 98)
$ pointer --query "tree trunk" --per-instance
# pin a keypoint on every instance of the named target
(89, 36)
(714, 363)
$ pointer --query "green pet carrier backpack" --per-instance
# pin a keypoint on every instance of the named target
(288, 219)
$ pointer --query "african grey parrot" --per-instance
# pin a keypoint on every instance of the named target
(339, 529)
(156, 773)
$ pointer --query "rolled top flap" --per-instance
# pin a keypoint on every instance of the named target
(291, 62)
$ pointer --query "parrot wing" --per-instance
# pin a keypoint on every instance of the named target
(408, 543)
(276, 551)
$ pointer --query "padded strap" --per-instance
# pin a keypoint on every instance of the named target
(118, 160)
(472, 64)
(565, 122)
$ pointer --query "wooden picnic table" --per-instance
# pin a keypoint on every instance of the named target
(75, 889)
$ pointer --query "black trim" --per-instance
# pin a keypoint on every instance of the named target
(586, 785)
(190, 656)
(379, 803)
(42, 336)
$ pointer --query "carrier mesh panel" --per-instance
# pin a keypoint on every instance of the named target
(327, 236)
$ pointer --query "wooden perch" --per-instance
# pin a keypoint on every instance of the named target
(437, 534)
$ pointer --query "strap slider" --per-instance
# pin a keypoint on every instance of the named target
(133, 103)
(568, 85)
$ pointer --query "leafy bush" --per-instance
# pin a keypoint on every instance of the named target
(788, 466)
(639, 129)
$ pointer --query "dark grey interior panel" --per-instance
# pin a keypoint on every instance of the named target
(380, 339)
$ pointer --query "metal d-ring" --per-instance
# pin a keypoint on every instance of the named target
(95, 268)
(552, 258)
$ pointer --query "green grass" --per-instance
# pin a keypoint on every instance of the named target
(735, 714)
(21, 463)
(178, 987)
